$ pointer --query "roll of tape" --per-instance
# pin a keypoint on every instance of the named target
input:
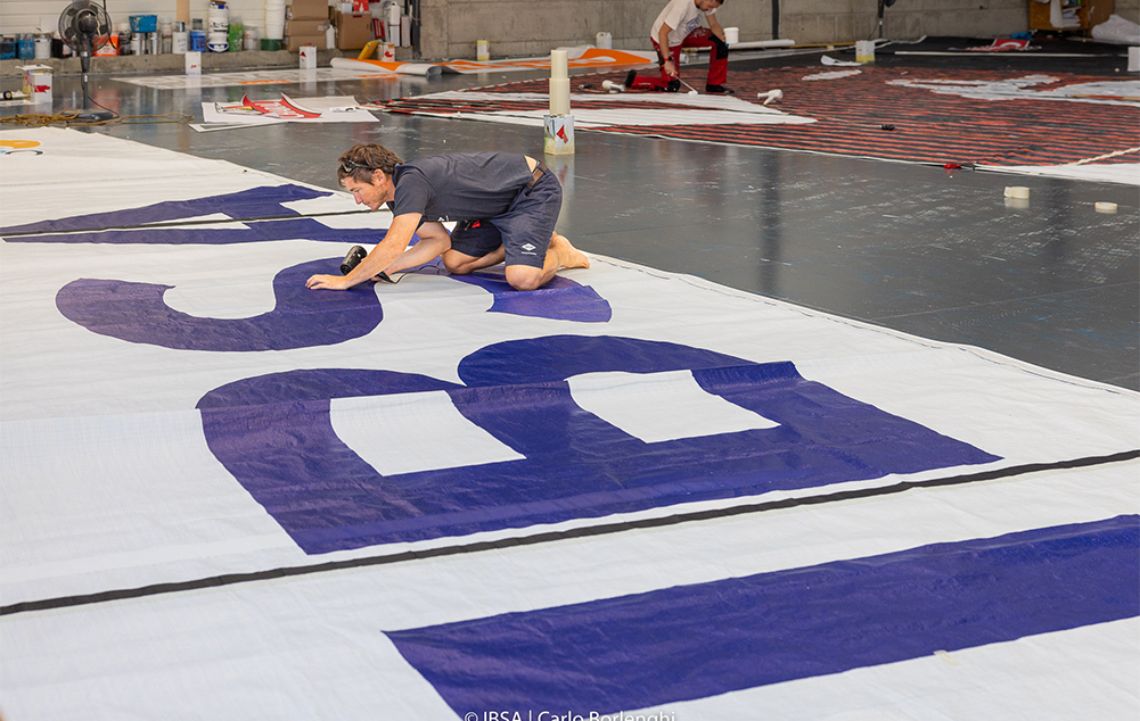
(1105, 207)
(1019, 192)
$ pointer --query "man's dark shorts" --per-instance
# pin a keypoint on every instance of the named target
(524, 230)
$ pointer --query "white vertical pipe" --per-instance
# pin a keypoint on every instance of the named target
(559, 83)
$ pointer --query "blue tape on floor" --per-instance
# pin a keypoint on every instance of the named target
(697, 641)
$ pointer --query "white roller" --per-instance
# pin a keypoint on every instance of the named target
(772, 96)
(757, 45)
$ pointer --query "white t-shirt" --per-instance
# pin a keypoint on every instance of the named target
(681, 15)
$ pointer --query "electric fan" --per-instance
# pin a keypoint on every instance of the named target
(86, 27)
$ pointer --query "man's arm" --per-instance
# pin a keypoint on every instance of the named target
(434, 242)
(663, 43)
(390, 248)
(715, 28)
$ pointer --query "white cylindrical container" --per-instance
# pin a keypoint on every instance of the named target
(252, 38)
(604, 41)
(43, 47)
(1134, 60)
(393, 21)
(388, 53)
(732, 35)
(405, 31)
(308, 57)
(217, 18)
(864, 51)
(330, 37)
(482, 51)
(179, 42)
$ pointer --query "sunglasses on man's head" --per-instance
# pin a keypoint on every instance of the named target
(349, 166)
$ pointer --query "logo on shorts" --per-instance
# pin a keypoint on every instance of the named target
(529, 249)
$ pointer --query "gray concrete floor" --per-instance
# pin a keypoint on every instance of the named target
(904, 246)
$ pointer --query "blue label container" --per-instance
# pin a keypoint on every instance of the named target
(198, 40)
(144, 23)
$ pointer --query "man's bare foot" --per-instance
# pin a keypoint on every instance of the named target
(568, 255)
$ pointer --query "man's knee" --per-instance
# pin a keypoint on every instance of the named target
(525, 278)
(455, 263)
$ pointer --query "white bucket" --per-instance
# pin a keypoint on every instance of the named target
(43, 47)
(864, 51)
(308, 57)
(604, 41)
(732, 35)
(482, 51)
(218, 41)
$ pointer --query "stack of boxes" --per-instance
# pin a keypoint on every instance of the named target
(307, 25)
(353, 25)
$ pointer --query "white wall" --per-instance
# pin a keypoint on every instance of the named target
(25, 16)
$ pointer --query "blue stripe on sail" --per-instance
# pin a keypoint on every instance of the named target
(695, 641)
(575, 464)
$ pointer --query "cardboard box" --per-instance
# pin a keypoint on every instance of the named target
(294, 42)
(306, 27)
(309, 9)
(352, 31)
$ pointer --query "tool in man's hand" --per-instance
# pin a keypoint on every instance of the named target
(352, 259)
(692, 90)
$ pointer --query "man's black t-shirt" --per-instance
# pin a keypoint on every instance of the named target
(462, 186)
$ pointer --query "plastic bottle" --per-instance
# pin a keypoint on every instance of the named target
(167, 44)
(27, 47)
(43, 47)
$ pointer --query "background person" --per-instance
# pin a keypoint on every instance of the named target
(679, 26)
